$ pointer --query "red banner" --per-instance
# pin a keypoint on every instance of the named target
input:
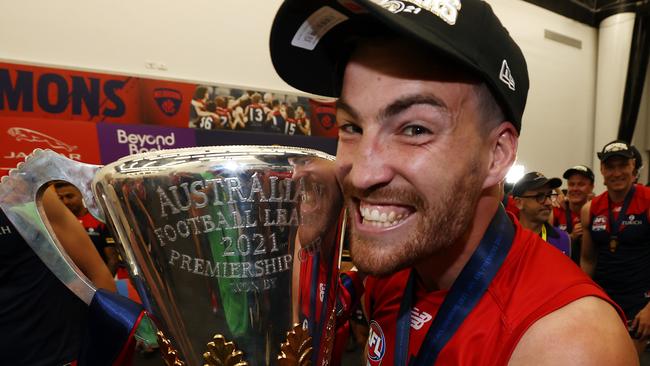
(40, 92)
(67, 95)
(20, 136)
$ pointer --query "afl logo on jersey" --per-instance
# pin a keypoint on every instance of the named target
(599, 224)
(376, 344)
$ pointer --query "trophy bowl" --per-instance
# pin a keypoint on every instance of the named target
(234, 250)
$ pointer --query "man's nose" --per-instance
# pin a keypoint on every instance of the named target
(370, 163)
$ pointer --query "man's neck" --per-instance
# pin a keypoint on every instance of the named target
(441, 269)
(576, 207)
(619, 196)
(533, 226)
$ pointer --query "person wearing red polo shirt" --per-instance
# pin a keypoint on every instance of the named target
(616, 244)
(580, 183)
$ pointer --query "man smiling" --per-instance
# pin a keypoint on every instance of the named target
(431, 97)
(616, 246)
(580, 184)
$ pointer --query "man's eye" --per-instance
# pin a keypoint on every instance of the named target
(350, 128)
(415, 130)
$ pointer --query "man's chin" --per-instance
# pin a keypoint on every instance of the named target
(379, 268)
(378, 264)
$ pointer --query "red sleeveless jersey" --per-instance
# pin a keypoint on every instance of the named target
(560, 217)
(624, 271)
(534, 280)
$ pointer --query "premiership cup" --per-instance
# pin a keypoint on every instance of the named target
(234, 250)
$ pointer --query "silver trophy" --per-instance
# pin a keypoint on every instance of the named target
(234, 250)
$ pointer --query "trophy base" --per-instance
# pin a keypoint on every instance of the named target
(296, 351)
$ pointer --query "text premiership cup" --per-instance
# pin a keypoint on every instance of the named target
(234, 250)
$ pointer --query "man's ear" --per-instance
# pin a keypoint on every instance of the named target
(502, 153)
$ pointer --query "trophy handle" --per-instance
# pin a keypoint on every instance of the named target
(21, 200)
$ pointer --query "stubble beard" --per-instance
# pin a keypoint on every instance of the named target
(441, 223)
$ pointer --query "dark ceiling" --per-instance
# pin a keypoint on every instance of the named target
(591, 12)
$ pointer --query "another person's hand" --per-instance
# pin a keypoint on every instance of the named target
(559, 200)
(577, 232)
(641, 323)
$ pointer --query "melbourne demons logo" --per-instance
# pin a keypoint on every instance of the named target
(25, 134)
(326, 116)
(168, 100)
(376, 344)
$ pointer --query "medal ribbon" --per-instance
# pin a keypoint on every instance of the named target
(463, 296)
(614, 225)
(543, 232)
(569, 220)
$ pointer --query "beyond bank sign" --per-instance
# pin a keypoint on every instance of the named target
(116, 140)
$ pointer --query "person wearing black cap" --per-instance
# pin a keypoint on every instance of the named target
(580, 188)
(616, 246)
(534, 197)
(431, 96)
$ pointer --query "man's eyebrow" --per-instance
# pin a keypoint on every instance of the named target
(404, 103)
(396, 107)
(342, 105)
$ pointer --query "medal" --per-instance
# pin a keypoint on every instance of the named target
(615, 225)
(613, 243)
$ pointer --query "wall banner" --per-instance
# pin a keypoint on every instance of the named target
(57, 94)
(20, 136)
(118, 140)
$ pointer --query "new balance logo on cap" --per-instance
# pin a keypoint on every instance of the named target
(506, 76)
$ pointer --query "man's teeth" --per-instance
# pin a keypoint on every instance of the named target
(373, 217)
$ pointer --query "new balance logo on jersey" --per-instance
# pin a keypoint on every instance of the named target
(418, 319)
(321, 291)
(506, 76)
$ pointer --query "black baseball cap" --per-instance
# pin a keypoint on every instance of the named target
(311, 41)
(616, 148)
(534, 180)
(638, 160)
(579, 169)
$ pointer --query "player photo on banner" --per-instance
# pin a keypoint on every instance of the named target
(220, 108)
(20, 136)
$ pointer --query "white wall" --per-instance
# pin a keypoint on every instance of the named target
(219, 41)
(226, 42)
(557, 130)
